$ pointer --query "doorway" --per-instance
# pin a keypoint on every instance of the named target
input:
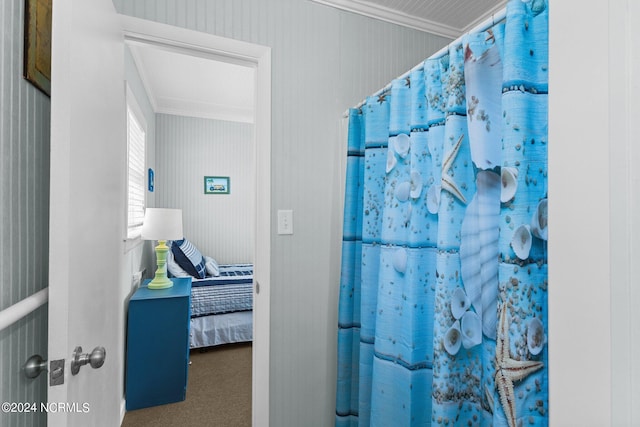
(227, 51)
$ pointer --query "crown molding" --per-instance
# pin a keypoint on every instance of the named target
(393, 16)
(205, 110)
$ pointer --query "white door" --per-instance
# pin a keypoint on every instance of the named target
(86, 210)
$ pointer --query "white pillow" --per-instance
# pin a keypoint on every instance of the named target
(212, 266)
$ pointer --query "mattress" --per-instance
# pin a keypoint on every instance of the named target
(230, 292)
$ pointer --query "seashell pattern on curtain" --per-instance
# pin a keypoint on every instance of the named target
(443, 289)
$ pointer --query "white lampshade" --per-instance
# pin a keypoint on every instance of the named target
(162, 224)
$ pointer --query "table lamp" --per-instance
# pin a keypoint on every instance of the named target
(162, 224)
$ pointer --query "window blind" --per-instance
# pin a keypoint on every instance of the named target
(136, 138)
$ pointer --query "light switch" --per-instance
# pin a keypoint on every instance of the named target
(285, 222)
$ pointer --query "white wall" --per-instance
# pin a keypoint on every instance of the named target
(594, 101)
(141, 257)
(187, 150)
(624, 110)
(24, 209)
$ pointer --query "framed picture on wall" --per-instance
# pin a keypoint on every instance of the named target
(37, 44)
(151, 180)
(216, 185)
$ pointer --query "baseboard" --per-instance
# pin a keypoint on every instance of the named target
(123, 409)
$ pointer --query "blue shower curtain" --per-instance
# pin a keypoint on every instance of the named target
(443, 292)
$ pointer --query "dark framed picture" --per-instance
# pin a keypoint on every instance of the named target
(216, 185)
(37, 44)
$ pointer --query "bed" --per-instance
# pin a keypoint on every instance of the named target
(221, 307)
(221, 296)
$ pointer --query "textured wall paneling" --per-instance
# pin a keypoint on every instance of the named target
(187, 150)
(24, 208)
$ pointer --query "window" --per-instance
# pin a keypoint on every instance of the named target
(136, 143)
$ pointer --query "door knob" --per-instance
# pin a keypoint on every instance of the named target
(34, 365)
(95, 359)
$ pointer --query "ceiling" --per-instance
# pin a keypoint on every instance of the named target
(186, 85)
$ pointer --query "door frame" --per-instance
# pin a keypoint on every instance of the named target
(237, 52)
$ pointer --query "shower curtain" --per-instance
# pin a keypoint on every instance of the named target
(443, 288)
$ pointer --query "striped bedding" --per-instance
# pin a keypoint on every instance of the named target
(230, 292)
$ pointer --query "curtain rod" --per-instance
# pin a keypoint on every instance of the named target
(482, 26)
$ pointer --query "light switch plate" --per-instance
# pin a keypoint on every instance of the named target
(285, 222)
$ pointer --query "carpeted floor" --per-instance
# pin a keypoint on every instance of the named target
(218, 393)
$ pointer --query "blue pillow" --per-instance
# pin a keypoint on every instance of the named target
(189, 258)
(173, 268)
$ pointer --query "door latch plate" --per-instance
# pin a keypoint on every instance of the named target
(56, 372)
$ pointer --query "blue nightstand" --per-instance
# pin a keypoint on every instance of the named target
(158, 345)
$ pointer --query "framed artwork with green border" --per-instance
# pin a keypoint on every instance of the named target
(217, 185)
